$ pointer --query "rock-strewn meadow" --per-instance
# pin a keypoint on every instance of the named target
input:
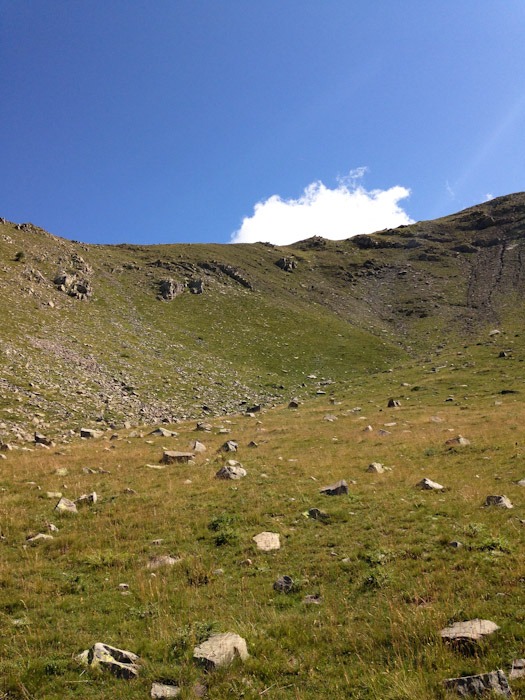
(171, 418)
(165, 557)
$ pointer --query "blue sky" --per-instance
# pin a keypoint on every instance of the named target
(190, 120)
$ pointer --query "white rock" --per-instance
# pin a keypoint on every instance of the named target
(267, 541)
(469, 630)
(220, 650)
(429, 485)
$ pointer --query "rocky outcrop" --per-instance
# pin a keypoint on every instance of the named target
(169, 289)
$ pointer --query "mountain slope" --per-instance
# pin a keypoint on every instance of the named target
(85, 336)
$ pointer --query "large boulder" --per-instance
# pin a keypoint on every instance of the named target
(220, 650)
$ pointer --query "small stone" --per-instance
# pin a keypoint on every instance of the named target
(61, 471)
(220, 650)
(294, 403)
(53, 494)
(494, 682)
(284, 584)
(518, 669)
(499, 501)
(393, 403)
(455, 544)
(337, 489)
(66, 506)
(469, 630)
(158, 562)
(162, 691)
(375, 468)
(52, 528)
(317, 514)
(39, 537)
(43, 440)
(231, 471)
(312, 599)
(87, 499)
(204, 427)
(163, 432)
(171, 457)
(521, 482)
(91, 434)
(458, 441)
(123, 586)
(330, 419)
(429, 485)
(267, 541)
(252, 444)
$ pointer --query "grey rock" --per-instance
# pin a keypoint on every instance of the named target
(197, 446)
(173, 457)
(121, 663)
(495, 683)
(87, 499)
(469, 630)
(39, 537)
(220, 650)
(90, 434)
(231, 470)
(429, 485)
(162, 691)
(287, 264)
(337, 489)
(43, 440)
(284, 584)
(393, 403)
(499, 501)
(375, 468)
(317, 514)
(229, 446)
(458, 441)
(169, 289)
(66, 506)
(163, 432)
(204, 427)
(294, 403)
(518, 669)
(162, 560)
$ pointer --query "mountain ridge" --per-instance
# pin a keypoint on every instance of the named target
(88, 336)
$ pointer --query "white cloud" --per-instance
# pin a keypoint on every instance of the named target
(338, 213)
(489, 196)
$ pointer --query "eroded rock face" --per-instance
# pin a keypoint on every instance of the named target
(287, 264)
(169, 289)
(220, 650)
(121, 663)
(494, 682)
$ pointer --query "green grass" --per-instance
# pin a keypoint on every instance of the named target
(383, 567)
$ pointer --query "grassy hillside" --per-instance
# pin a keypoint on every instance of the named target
(385, 574)
(256, 333)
